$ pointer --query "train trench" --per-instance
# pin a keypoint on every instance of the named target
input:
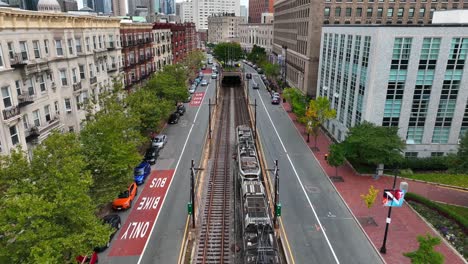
(234, 221)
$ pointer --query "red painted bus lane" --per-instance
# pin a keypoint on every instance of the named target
(197, 99)
(133, 235)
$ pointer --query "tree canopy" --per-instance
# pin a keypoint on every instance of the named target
(371, 144)
(272, 70)
(193, 61)
(228, 51)
(47, 215)
(318, 112)
(170, 84)
(257, 55)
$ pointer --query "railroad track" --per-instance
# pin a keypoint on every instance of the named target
(214, 237)
(241, 113)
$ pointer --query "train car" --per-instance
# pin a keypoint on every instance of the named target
(248, 167)
(260, 244)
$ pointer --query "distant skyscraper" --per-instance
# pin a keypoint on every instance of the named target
(243, 11)
(186, 11)
(119, 7)
(257, 7)
(29, 4)
(103, 6)
(90, 4)
(133, 4)
(177, 9)
(168, 7)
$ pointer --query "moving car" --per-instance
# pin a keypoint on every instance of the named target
(181, 109)
(141, 172)
(159, 141)
(93, 259)
(114, 221)
(255, 85)
(125, 198)
(151, 155)
(204, 83)
(214, 76)
(275, 100)
(174, 118)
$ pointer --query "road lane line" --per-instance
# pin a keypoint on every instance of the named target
(287, 241)
(299, 180)
(170, 184)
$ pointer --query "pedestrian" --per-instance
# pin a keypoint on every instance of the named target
(326, 156)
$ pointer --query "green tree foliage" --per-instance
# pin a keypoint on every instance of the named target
(193, 61)
(170, 84)
(297, 101)
(47, 215)
(228, 51)
(461, 159)
(370, 144)
(257, 55)
(318, 112)
(336, 156)
(149, 109)
(271, 70)
(110, 139)
(426, 253)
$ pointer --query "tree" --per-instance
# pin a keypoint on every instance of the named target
(271, 70)
(369, 199)
(461, 159)
(193, 61)
(426, 253)
(110, 139)
(257, 55)
(170, 84)
(47, 215)
(318, 112)
(371, 144)
(228, 51)
(336, 156)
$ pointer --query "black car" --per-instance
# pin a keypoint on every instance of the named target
(151, 155)
(174, 118)
(181, 109)
(248, 76)
(114, 221)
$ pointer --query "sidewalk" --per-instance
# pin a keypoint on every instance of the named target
(405, 225)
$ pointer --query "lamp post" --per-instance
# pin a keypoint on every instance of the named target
(404, 187)
(255, 118)
(285, 64)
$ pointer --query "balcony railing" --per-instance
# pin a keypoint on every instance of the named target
(11, 112)
(53, 123)
(18, 60)
(112, 67)
(93, 80)
(25, 99)
(32, 133)
(36, 67)
(77, 86)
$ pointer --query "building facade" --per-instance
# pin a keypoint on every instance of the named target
(162, 47)
(186, 11)
(411, 77)
(137, 53)
(224, 28)
(179, 37)
(202, 9)
(50, 64)
(257, 7)
(297, 25)
(103, 6)
(256, 34)
(119, 7)
(244, 12)
(168, 7)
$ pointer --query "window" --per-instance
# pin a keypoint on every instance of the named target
(11, 50)
(400, 12)
(94, 42)
(70, 46)
(78, 102)
(91, 72)
(24, 50)
(14, 135)
(6, 97)
(41, 81)
(411, 154)
(379, 12)
(46, 46)
(437, 154)
(63, 77)
(58, 47)
(369, 12)
(100, 42)
(47, 113)
(390, 12)
(422, 11)
(82, 72)
(1, 58)
(36, 118)
(67, 105)
(348, 11)
(337, 11)
(78, 45)
(411, 12)
(327, 12)
(30, 85)
(18, 87)
(87, 44)
(74, 76)
(25, 122)
(56, 107)
(37, 49)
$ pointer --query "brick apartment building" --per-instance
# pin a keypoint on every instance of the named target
(183, 38)
(137, 52)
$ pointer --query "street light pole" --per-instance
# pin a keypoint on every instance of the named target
(275, 219)
(255, 118)
(192, 192)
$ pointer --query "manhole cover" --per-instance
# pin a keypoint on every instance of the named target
(367, 221)
(336, 179)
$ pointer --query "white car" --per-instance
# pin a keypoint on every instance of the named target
(275, 95)
(159, 141)
(204, 83)
(192, 89)
(214, 76)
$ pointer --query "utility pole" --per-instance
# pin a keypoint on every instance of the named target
(191, 204)
(209, 117)
(277, 204)
(255, 118)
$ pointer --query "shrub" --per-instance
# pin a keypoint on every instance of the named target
(427, 164)
(406, 172)
(444, 211)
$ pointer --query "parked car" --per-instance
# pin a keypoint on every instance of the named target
(255, 85)
(275, 100)
(210, 61)
(260, 71)
(181, 109)
(204, 83)
(200, 75)
(125, 198)
(214, 76)
(248, 76)
(159, 141)
(203, 67)
(192, 89)
(114, 221)
(141, 172)
(93, 259)
(151, 155)
(189, 98)
(255, 67)
(275, 95)
(174, 118)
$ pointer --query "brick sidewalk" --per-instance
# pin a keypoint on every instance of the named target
(406, 224)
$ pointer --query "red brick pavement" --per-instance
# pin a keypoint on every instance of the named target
(405, 225)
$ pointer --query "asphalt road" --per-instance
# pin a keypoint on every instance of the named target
(163, 245)
(319, 227)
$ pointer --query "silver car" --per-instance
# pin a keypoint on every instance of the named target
(159, 141)
(204, 83)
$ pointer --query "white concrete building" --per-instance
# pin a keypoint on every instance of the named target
(50, 63)
(260, 34)
(224, 28)
(412, 77)
(186, 11)
(162, 48)
(202, 9)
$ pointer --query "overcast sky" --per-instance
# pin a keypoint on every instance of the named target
(242, 2)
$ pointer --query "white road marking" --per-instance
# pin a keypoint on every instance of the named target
(299, 180)
(170, 184)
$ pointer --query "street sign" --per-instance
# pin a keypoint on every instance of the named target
(393, 198)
